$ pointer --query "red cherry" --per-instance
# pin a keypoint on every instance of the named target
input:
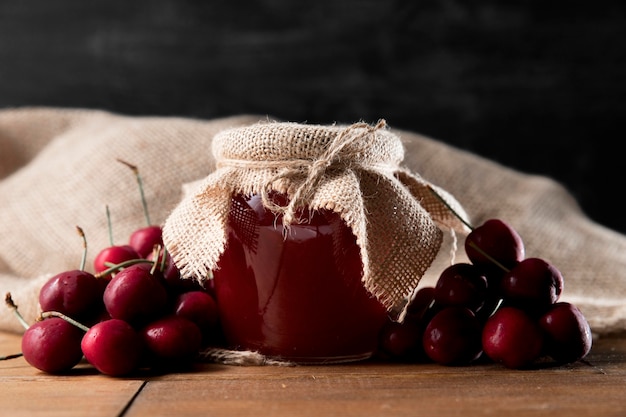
(453, 337)
(511, 337)
(532, 284)
(52, 345)
(420, 303)
(462, 285)
(114, 255)
(135, 294)
(567, 332)
(145, 239)
(401, 341)
(496, 239)
(75, 293)
(199, 307)
(172, 340)
(113, 347)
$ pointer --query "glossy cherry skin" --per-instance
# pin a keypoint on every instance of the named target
(401, 341)
(462, 285)
(136, 294)
(75, 293)
(145, 239)
(113, 255)
(171, 340)
(52, 345)
(511, 337)
(113, 347)
(453, 337)
(499, 241)
(420, 303)
(532, 284)
(568, 335)
(199, 307)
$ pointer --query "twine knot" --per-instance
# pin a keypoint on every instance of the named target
(337, 157)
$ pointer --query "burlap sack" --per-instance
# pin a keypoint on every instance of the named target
(58, 170)
(352, 170)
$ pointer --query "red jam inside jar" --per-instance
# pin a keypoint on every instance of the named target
(296, 297)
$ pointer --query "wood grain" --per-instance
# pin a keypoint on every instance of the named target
(594, 388)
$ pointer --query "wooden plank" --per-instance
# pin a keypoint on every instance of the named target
(93, 397)
(27, 392)
(370, 389)
(596, 388)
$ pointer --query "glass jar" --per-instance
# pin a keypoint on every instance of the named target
(295, 295)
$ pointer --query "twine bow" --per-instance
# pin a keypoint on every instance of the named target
(336, 156)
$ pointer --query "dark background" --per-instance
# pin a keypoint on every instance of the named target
(536, 85)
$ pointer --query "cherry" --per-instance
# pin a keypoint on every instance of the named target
(401, 340)
(113, 347)
(199, 307)
(114, 255)
(532, 284)
(511, 337)
(463, 285)
(52, 345)
(494, 244)
(453, 337)
(143, 240)
(171, 340)
(136, 294)
(567, 333)
(76, 293)
(420, 303)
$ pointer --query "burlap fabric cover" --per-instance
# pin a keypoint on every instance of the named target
(352, 170)
(58, 170)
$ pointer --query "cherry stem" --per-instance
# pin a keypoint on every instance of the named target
(496, 307)
(155, 256)
(472, 244)
(141, 192)
(8, 299)
(445, 203)
(12, 356)
(109, 225)
(83, 260)
(164, 259)
(47, 314)
(121, 265)
(486, 255)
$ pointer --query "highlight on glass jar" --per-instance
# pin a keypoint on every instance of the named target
(315, 236)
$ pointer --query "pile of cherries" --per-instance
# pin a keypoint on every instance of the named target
(499, 307)
(134, 312)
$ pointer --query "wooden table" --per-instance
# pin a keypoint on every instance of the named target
(595, 388)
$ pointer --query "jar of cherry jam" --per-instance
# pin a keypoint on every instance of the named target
(314, 235)
(295, 294)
